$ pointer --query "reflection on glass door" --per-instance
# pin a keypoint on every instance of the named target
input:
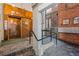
(12, 28)
(5, 29)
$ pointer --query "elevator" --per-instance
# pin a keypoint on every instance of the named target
(16, 27)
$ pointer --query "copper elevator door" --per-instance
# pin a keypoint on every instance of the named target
(25, 27)
(17, 28)
(13, 29)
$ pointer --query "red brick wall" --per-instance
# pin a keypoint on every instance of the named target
(68, 11)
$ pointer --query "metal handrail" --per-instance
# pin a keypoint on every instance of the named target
(37, 38)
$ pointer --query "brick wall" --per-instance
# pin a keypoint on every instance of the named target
(68, 11)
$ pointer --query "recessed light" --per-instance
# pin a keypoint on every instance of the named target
(13, 5)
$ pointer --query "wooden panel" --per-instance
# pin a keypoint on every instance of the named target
(69, 37)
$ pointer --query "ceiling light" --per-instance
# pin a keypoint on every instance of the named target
(13, 5)
(49, 10)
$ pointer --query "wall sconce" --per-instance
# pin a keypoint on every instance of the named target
(26, 23)
(12, 12)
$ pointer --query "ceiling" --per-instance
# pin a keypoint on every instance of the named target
(26, 6)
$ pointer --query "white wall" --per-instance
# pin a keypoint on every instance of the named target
(35, 43)
(1, 23)
(36, 28)
(37, 20)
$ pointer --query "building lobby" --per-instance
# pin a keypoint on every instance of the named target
(39, 29)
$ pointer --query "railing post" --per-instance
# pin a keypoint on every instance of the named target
(42, 41)
(42, 36)
(56, 39)
(51, 34)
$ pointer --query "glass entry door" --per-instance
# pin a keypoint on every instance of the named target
(46, 28)
(49, 24)
(46, 24)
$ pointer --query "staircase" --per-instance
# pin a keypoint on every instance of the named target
(18, 47)
(23, 52)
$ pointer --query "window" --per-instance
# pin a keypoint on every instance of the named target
(66, 21)
(76, 20)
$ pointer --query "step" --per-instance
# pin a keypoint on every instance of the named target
(23, 52)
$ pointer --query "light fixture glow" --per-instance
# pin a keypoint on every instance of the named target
(26, 23)
(12, 12)
(11, 21)
(13, 5)
(49, 10)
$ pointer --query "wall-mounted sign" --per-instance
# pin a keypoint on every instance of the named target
(76, 20)
(66, 21)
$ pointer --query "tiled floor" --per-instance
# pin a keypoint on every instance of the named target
(62, 49)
